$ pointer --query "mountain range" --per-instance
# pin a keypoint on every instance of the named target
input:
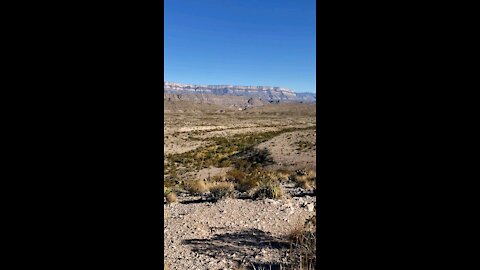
(231, 95)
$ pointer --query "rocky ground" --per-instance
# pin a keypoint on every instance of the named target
(225, 234)
(201, 234)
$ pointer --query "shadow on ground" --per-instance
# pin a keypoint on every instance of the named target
(254, 156)
(311, 193)
(211, 200)
(240, 247)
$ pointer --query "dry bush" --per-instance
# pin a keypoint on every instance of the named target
(302, 181)
(243, 182)
(306, 180)
(270, 190)
(198, 187)
(255, 179)
(171, 197)
(303, 245)
(312, 178)
(247, 184)
(221, 190)
(283, 175)
(218, 178)
(235, 175)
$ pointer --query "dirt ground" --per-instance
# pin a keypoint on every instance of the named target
(288, 151)
(231, 232)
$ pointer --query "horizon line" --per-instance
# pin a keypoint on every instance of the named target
(281, 87)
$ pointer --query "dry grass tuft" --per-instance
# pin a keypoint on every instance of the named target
(270, 190)
(296, 232)
(247, 184)
(198, 187)
(171, 197)
(305, 180)
(218, 178)
(235, 175)
(283, 175)
(303, 245)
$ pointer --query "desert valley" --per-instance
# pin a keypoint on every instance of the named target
(239, 177)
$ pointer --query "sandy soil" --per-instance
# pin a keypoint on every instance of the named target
(286, 152)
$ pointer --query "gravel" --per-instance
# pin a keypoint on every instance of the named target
(222, 235)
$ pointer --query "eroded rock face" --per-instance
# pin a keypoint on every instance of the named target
(261, 92)
(306, 97)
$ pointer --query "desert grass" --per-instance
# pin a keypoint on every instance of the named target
(171, 197)
(197, 187)
(222, 152)
(269, 190)
(303, 245)
(221, 190)
(304, 179)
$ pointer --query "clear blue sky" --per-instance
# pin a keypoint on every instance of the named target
(241, 42)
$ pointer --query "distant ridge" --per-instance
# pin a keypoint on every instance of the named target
(267, 94)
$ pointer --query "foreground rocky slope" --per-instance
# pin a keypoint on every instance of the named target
(260, 165)
(233, 232)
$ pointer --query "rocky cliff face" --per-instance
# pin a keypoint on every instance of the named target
(307, 97)
(262, 92)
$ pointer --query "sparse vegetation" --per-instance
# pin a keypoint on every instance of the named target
(221, 190)
(171, 197)
(270, 190)
(305, 180)
(197, 187)
(302, 145)
(251, 156)
(223, 152)
(303, 245)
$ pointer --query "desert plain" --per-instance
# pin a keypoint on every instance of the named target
(239, 186)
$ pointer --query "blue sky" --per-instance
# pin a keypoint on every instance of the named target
(241, 42)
